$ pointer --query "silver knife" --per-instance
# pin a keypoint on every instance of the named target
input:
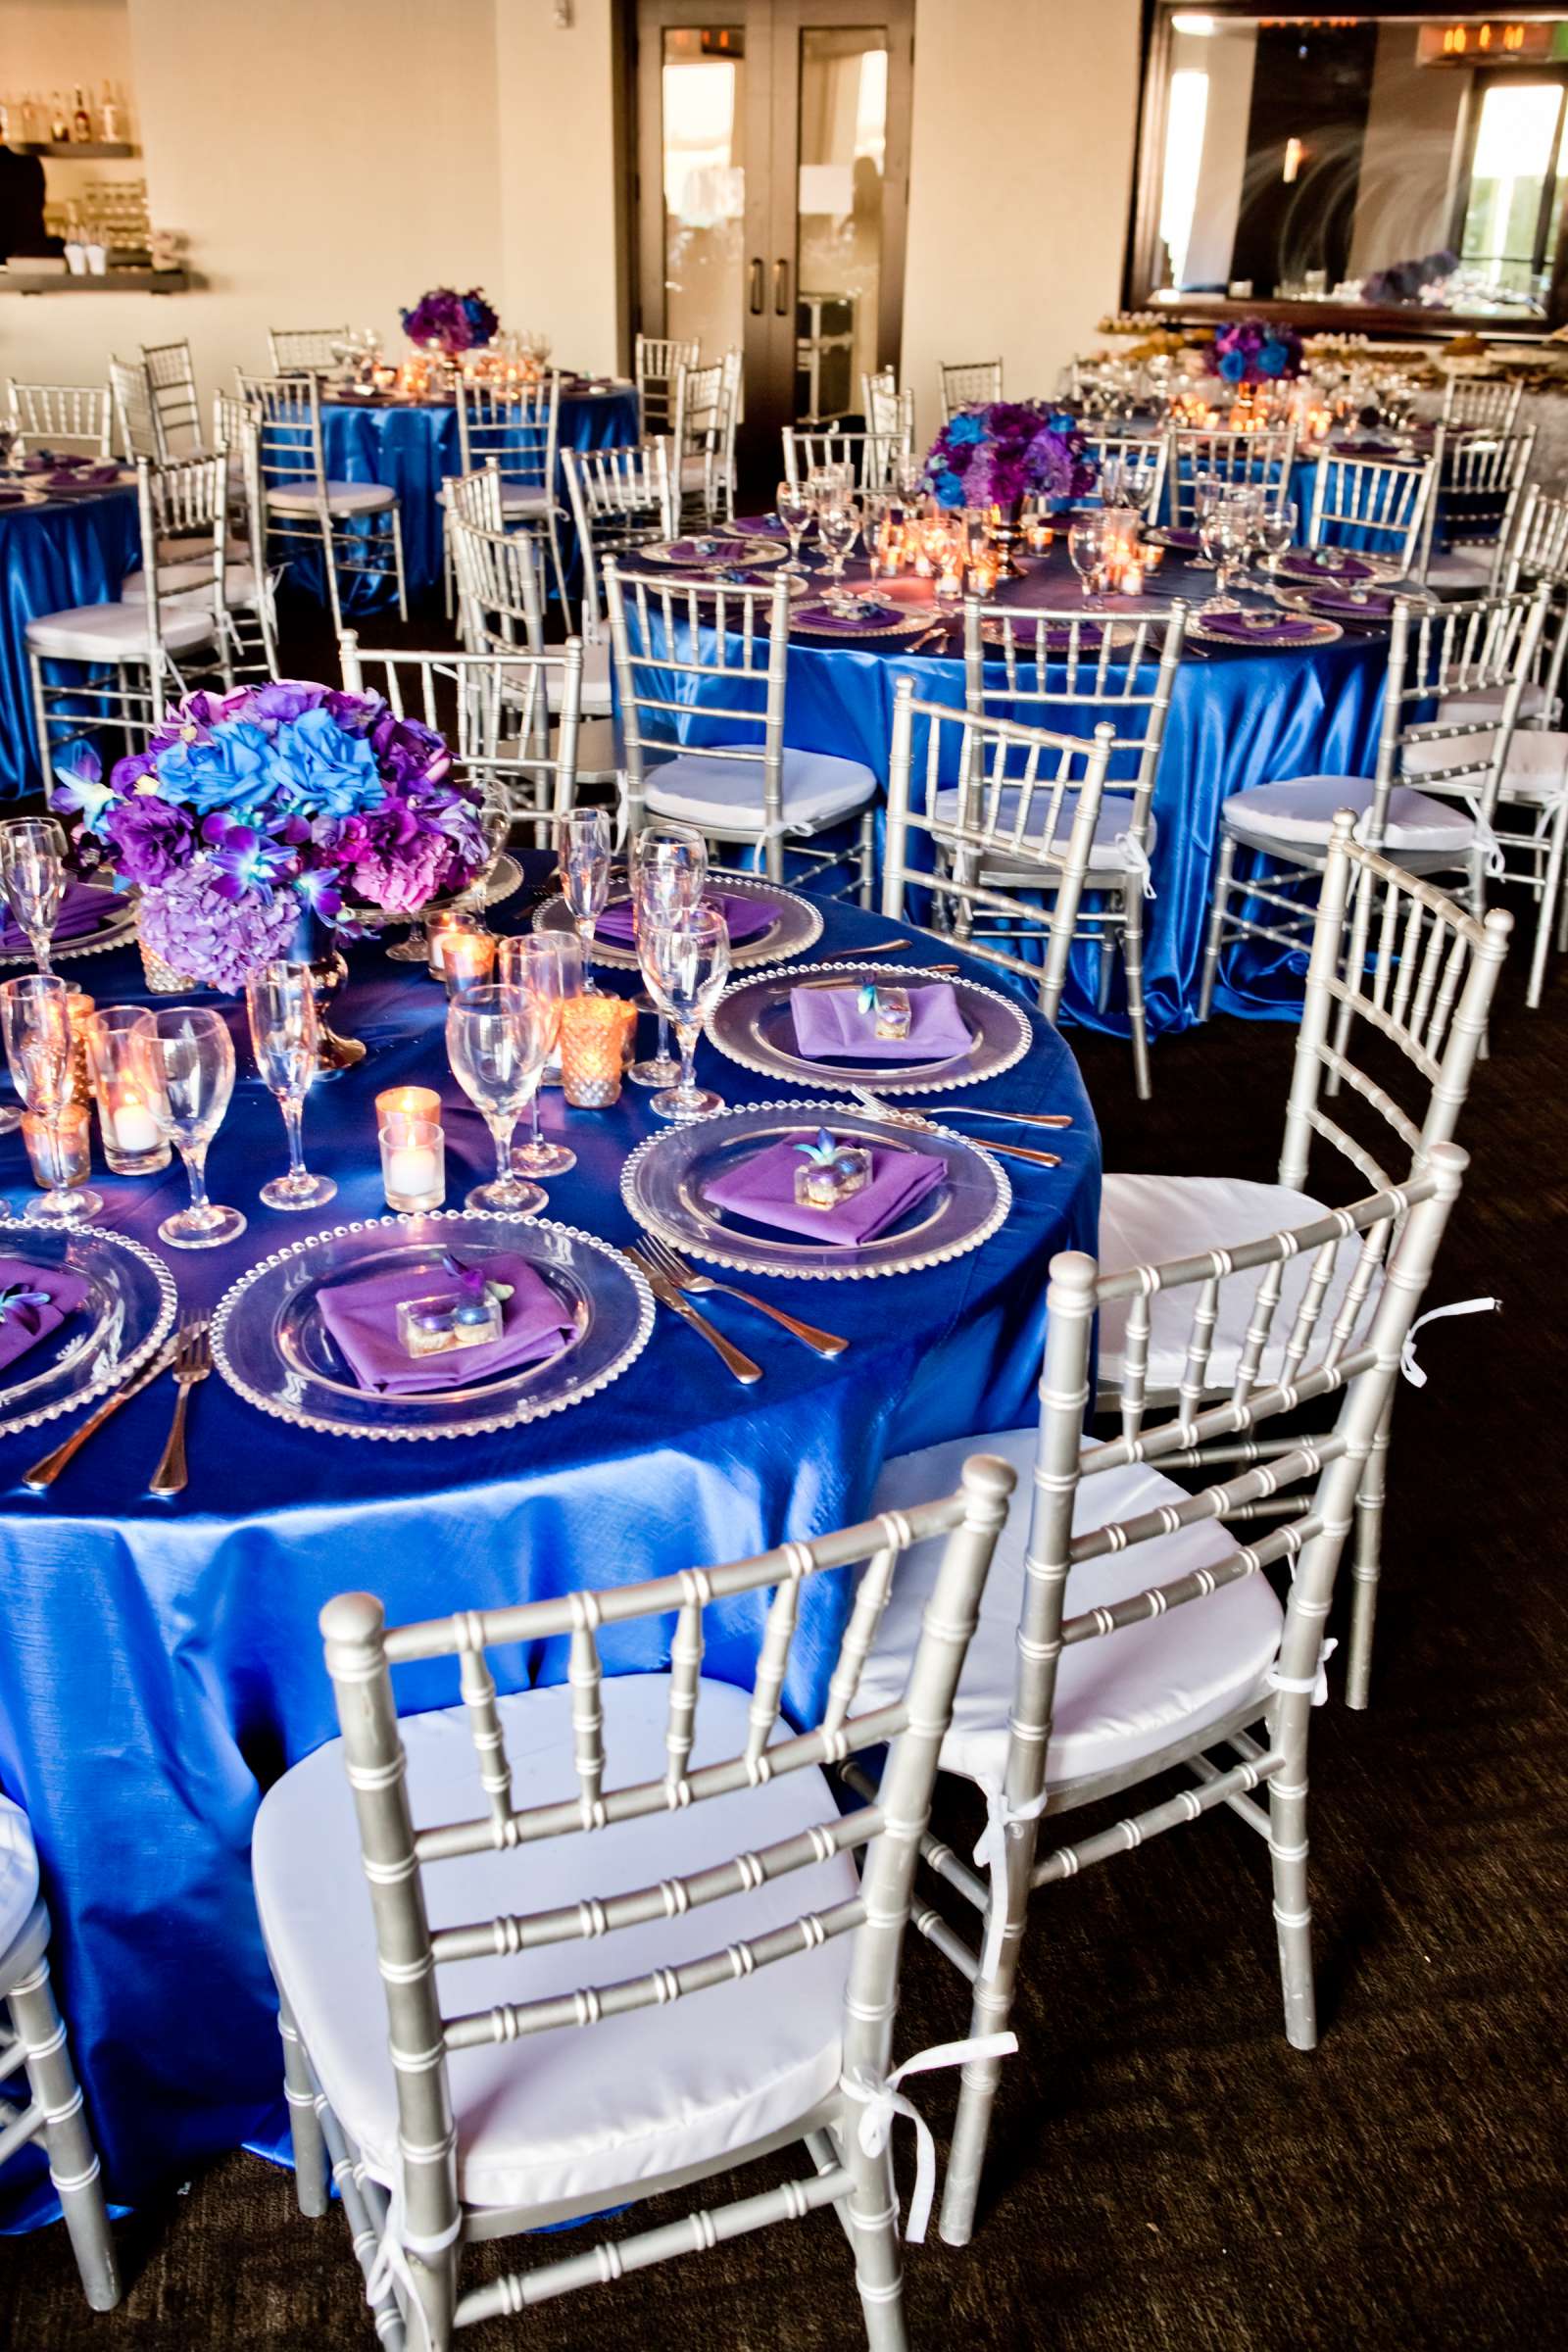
(44, 1473)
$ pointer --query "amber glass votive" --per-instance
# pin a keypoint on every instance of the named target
(594, 1031)
(413, 1101)
(448, 923)
(467, 960)
(58, 1152)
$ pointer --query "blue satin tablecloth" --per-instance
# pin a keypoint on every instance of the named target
(412, 447)
(68, 551)
(160, 1664)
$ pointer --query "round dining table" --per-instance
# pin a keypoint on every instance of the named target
(162, 1664)
(58, 548)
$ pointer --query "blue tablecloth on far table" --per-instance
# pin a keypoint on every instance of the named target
(71, 551)
(160, 1664)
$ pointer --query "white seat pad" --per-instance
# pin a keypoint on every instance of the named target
(193, 580)
(342, 497)
(1537, 766)
(1148, 1220)
(526, 498)
(1304, 811)
(113, 632)
(1108, 848)
(726, 795)
(575, 2112)
(1461, 568)
(1485, 702)
(1118, 1698)
(18, 1874)
(596, 691)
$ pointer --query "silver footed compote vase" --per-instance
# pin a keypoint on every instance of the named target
(315, 942)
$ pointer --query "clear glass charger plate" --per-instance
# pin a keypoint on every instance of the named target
(796, 926)
(125, 1319)
(271, 1346)
(664, 1185)
(750, 1023)
(116, 930)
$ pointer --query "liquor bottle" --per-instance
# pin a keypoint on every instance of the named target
(59, 121)
(81, 120)
(109, 129)
(29, 120)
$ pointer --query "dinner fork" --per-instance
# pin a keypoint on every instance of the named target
(685, 1277)
(193, 1360)
(879, 1109)
(668, 1293)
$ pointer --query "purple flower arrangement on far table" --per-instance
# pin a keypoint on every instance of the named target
(455, 323)
(1009, 450)
(1253, 353)
(257, 814)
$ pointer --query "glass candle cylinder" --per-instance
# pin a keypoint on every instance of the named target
(413, 1166)
(447, 923)
(60, 1152)
(132, 1142)
(413, 1101)
(467, 960)
(594, 1034)
(80, 1007)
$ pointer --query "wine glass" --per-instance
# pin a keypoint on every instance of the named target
(1086, 547)
(281, 999)
(876, 511)
(838, 526)
(497, 1040)
(32, 874)
(584, 855)
(1276, 530)
(35, 1018)
(1222, 535)
(545, 967)
(685, 964)
(669, 873)
(791, 503)
(186, 1059)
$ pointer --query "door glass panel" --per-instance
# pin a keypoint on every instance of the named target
(843, 144)
(704, 120)
(1514, 161)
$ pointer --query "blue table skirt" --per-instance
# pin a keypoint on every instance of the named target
(413, 450)
(74, 551)
(160, 1663)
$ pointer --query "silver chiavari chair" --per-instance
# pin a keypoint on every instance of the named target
(648, 1798)
(1492, 407)
(1376, 506)
(518, 430)
(177, 403)
(874, 458)
(69, 418)
(969, 384)
(889, 413)
(1475, 510)
(1127, 1633)
(298, 348)
(356, 527)
(1142, 458)
(1398, 990)
(33, 2044)
(700, 676)
(1059, 669)
(133, 409)
(708, 406)
(501, 600)
(472, 499)
(244, 590)
(621, 500)
(656, 368)
(1432, 799)
(1243, 460)
(1001, 825)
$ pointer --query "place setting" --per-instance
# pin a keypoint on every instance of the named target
(870, 1024)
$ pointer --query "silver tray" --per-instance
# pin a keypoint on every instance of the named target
(751, 1024)
(271, 1346)
(797, 927)
(125, 1319)
(116, 931)
(665, 1182)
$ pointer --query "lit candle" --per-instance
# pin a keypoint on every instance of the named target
(414, 1172)
(1131, 578)
(467, 959)
(439, 927)
(409, 1103)
(58, 1152)
(128, 1125)
(594, 1031)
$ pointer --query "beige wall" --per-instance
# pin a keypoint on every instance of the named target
(558, 194)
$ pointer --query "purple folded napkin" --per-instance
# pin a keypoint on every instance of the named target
(829, 1026)
(846, 625)
(762, 1189)
(1301, 564)
(84, 907)
(1348, 603)
(14, 498)
(363, 1318)
(49, 461)
(82, 477)
(1178, 535)
(717, 548)
(1261, 628)
(743, 918)
(34, 1300)
(763, 525)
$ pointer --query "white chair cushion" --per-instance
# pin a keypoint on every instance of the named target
(19, 1876)
(1485, 702)
(726, 795)
(522, 498)
(1304, 810)
(1461, 568)
(576, 2112)
(1537, 766)
(597, 697)
(1119, 1699)
(1147, 1220)
(342, 497)
(193, 579)
(1108, 851)
(693, 470)
(113, 632)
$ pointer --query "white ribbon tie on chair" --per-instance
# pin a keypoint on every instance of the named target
(1437, 1314)
(397, 2244)
(883, 2102)
(1138, 860)
(992, 1854)
(1318, 1686)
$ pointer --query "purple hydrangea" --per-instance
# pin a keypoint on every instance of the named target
(1253, 352)
(455, 323)
(219, 941)
(995, 455)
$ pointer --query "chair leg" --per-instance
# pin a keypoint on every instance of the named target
(1132, 956)
(333, 598)
(304, 2125)
(1216, 925)
(396, 559)
(73, 2158)
(977, 2084)
(867, 856)
(1367, 1565)
(872, 2215)
(556, 565)
(1547, 915)
(40, 713)
(1293, 1910)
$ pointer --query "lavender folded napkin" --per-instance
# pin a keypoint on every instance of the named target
(763, 525)
(1345, 604)
(762, 1189)
(720, 548)
(84, 907)
(1302, 563)
(829, 1026)
(49, 461)
(1178, 535)
(1260, 628)
(363, 1318)
(82, 477)
(34, 1300)
(845, 624)
(743, 918)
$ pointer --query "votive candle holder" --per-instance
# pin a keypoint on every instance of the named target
(59, 1150)
(413, 1101)
(447, 923)
(413, 1165)
(594, 1034)
(467, 960)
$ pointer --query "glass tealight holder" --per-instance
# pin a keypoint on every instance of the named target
(130, 1133)
(467, 960)
(447, 923)
(413, 1101)
(594, 1032)
(413, 1163)
(58, 1152)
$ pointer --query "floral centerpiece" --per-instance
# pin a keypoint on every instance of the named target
(454, 322)
(997, 455)
(1253, 353)
(253, 820)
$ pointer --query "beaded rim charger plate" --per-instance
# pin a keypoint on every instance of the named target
(271, 1346)
(796, 926)
(734, 552)
(750, 1023)
(126, 1317)
(1253, 637)
(665, 1182)
(116, 930)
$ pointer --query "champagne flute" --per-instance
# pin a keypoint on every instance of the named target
(35, 1020)
(685, 964)
(791, 503)
(185, 1063)
(497, 1040)
(32, 873)
(584, 853)
(545, 967)
(281, 999)
(669, 873)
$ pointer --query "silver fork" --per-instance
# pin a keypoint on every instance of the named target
(668, 1293)
(685, 1277)
(879, 1109)
(193, 1360)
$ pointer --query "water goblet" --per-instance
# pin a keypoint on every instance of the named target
(32, 874)
(686, 963)
(1086, 549)
(1276, 530)
(838, 526)
(668, 875)
(39, 1044)
(497, 1040)
(1222, 535)
(281, 999)
(185, 1066)
(584, 853)
(545, 967)
(791, 503)
(1113, 476)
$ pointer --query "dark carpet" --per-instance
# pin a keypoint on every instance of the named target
(1166, 2173)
